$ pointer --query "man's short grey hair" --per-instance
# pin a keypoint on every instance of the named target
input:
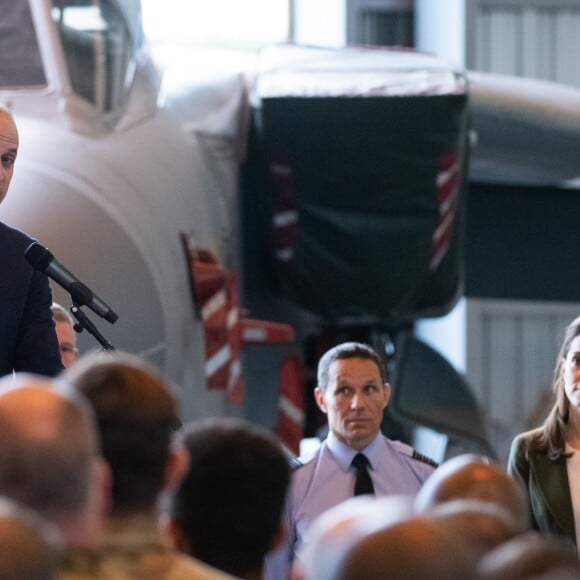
(61, 314)
(347, 350)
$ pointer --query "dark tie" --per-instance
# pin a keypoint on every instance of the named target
(364, 483)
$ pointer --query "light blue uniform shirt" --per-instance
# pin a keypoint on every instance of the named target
(326, 479)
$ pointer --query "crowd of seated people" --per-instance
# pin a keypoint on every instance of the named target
(99, 479)
(469, 521)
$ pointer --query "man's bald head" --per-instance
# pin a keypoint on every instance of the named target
(416, 547)
(8, 149)
(339, 526)
(480, 526)
(48, 444)
(475, 477)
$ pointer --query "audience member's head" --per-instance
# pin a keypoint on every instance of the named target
(337, 528)
(479, 525)
(66, 334)
(475, 477)
(415, 547)
(351, 382)
(49, 455)
(531, 556)
(347, 351)
(227, 510)
(136, 414)
(29, 546)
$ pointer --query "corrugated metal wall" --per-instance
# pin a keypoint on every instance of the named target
(511, 353)
(535, 38)
(380, 22)
(385, 28)
(512, 345)
(532, 38)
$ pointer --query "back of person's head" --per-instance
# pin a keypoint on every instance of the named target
(338, 527)
(347, 350)
(48, 445)
(228, 508)
(531, 556)
(136, 414)
(479, 525)
(413, 548)
(29, 546)
(475, 477)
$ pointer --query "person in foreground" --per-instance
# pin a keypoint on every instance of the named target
(29, 546)
(414, 548)
(356, 458)
(335, 531)
(530, 556)
(547, 459)
(476, 477)
(49, 456)
(227, 510)
(28, 340)
(136, 414)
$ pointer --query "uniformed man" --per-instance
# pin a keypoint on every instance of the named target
(136, 412)
(356, 457)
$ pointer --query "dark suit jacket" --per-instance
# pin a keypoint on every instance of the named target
(27, 337)
(548, 488)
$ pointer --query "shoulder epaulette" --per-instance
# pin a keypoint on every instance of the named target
(295, 464)
(420, 457)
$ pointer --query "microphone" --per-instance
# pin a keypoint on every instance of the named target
(41, 259)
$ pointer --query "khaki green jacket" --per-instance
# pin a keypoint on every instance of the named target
(548, 488)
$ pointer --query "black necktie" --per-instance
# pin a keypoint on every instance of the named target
(364, 483)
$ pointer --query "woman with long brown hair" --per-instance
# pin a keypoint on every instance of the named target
(547, 459)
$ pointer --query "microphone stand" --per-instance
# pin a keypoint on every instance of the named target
(83, 322)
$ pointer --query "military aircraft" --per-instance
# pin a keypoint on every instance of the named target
(240, 225)
(107, 180)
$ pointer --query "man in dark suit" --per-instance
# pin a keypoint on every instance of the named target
(27, 337)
